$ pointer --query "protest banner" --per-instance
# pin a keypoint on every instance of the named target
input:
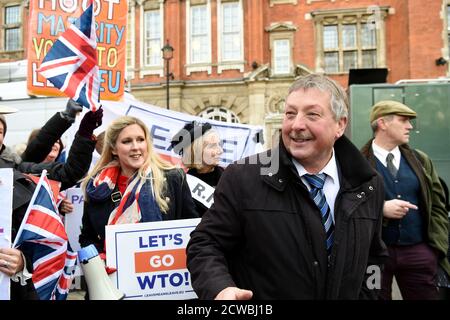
(239, 140)
(48, 19)
(150, 259)
(6, 194)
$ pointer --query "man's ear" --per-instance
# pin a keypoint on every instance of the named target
(342, 124)
(381, 122)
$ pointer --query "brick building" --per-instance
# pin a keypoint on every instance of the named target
(234, 59)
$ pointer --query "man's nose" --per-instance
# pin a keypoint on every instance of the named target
(299, 122)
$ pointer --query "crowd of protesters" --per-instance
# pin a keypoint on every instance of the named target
(307, 224)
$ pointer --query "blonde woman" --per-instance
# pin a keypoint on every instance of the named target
(200, 148)
(130, 183)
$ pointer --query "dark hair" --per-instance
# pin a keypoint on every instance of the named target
(191, 131)
(3, 120)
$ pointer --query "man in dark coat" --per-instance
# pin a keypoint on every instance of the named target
(274, 232)
(415, 226)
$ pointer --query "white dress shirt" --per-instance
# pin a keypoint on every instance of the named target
(381, 155)
(331, 186)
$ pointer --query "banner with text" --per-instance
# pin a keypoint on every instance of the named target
(238, 140)
(49, 18)
(150, 259)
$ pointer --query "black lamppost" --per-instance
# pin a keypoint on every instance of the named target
(167, 51)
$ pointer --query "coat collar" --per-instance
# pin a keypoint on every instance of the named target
(405, 151)
(353, 168)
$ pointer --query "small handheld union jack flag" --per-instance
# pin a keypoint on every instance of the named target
(71, 64)
(43, 236)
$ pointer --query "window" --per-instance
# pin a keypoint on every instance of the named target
(12, 27)
(281, 37)
(231, 31)
(152, 38)
(350, 39)
(281, 56)
(219, 114)
(340, 43)
(198, 35)
(230, 39)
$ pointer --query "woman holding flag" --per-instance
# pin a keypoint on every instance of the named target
(130, 183)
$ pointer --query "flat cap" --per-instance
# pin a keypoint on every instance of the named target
(388, 107)
(191, 131)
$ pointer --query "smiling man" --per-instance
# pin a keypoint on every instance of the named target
(300, 221)
(415, 226)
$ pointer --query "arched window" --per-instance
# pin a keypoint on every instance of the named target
(220, 114)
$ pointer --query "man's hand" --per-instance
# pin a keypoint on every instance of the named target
(397, 209)
(11, 261)
(233, 293)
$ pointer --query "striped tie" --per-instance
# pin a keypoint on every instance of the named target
(316, 182)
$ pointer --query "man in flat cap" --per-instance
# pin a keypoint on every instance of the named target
(415, 226)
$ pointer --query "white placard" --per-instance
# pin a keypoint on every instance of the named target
(6, 196)
(73, 219)
(150, 259)
(73, 223)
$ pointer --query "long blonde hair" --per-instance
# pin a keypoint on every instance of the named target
(156, 164)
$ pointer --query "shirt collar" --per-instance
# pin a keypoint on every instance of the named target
(330, 169)
(381, 153)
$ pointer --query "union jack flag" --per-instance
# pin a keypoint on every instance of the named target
(71, 64)
(43, 235)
